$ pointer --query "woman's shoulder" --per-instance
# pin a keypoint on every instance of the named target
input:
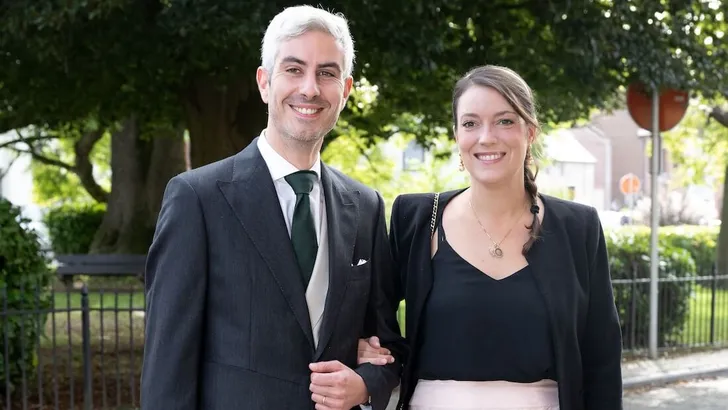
(570, 213)
(419, 202)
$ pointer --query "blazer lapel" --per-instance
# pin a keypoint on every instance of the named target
(342, 213)
(253, 198)
(424, 281)
(546, 259)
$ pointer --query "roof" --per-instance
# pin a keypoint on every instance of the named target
(562, 146)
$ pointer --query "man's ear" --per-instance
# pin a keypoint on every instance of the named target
(263, 80)
(348, 83)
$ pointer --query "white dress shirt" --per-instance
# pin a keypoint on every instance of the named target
(279, 168)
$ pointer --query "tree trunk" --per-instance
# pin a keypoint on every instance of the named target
(722, 248)
(140, 171)
(222, 118)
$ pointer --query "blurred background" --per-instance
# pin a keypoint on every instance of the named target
(102, 102)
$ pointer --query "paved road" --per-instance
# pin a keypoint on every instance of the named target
(709, 394)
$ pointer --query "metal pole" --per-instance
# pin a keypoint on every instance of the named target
(654, 222)
(86, 335)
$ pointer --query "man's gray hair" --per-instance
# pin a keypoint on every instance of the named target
(296, 21)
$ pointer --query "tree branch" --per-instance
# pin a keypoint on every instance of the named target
(85, 169)
(4, 172)
(719, 115)
(43, 159)
(27, 139)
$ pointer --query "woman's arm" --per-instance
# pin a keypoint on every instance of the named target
(601, 346)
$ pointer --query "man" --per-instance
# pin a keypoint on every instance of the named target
(268, 266)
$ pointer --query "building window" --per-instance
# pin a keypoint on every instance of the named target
(413, 156)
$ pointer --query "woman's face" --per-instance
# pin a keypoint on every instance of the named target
(492, 138)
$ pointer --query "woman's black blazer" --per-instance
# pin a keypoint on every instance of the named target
(570, 265)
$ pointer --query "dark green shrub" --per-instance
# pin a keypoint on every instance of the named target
(700, 241)
(72, 227)
(629, 259)
(24, 282)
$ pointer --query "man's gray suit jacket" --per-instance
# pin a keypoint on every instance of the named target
(227, 323)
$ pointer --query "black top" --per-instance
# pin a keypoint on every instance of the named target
(477, 328)
(570, 265)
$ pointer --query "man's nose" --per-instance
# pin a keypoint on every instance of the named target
(309, 86)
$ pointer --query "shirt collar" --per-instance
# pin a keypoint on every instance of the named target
(278, 166)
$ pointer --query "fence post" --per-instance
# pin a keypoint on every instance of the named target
(86, 335)
(713, 294)
(633, 308)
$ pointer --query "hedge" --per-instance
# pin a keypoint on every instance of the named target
(24, 284)
(71, 228)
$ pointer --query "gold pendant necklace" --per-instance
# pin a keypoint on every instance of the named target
(494, 250)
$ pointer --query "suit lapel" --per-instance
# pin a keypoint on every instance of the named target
(342, 213)
(252, 197)
(547, 259)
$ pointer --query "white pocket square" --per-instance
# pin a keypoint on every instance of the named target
(361, 262)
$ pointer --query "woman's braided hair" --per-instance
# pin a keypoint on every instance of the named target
(519, 95)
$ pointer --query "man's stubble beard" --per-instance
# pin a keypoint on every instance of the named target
(311, 137)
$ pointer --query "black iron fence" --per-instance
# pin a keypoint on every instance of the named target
(80, 346)
(692, 310)
(74, 347)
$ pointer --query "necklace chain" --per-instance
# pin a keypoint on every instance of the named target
(495, 250)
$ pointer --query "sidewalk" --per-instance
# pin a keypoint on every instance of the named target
(645, 372)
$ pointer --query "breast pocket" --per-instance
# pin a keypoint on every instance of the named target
(360, 270)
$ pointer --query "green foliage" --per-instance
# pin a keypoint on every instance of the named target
(683, 255)
(699, 241)
(72, 227)
(53, 184)
(380, 165)
(116, 57)
(24, 280)
(698, 147)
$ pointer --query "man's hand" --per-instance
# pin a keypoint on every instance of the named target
(370, 351)
(336, 387)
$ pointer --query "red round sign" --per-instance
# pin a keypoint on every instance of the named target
(672, 106)
(629, 184)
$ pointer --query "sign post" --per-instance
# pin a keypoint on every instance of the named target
(630, 185)
(658, 111)
(654, 222)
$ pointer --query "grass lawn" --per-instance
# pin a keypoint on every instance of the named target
(101, 300)
(697, 328)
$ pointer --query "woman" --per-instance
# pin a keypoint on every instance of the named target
(508, 297)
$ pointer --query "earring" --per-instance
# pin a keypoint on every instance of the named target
(462, 166)
(529, 158)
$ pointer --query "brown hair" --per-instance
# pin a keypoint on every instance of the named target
(519, 95)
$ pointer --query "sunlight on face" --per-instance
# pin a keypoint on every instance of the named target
(307, 90)
(491, 136)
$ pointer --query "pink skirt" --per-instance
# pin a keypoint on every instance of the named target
(495, 395)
